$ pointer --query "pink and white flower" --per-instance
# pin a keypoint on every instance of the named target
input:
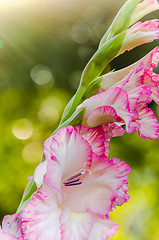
(108, 106)
(149, 78)
(139, 96)
(124, 96)
(150, 61)
(98, 138)
(78, 190)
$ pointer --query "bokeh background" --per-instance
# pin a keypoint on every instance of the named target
(44, 45)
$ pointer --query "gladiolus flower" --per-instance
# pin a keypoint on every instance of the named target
(78, 189)
(150, 60)
(124, 97)
(106, 107)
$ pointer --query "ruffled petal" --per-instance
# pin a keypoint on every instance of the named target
(123, 196)
(135, 87)
(113, 173)
(134, 126)
(70, 151)
(150, 60)
(103, 115)
(149, 125)
(112, 130)
(40, 217)
(114, 97)
(75, 226)
(152, 80)
(140, 33)
(99, 189)
(94, 136)
(141, 85)
(102, 229)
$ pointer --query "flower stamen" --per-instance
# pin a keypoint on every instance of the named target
(72, 184)
(74, 176)
(77, 178)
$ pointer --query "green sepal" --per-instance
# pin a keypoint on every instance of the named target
(75, 119)
(66, 110)
(121, 22)
(102, 57)
(93, 88)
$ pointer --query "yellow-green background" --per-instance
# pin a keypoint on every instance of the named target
(60, 37)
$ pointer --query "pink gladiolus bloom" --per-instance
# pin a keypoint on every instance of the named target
(98, 138)
(79, 188)
(106, 107)
(139, 96)
(149, 78)
(124, 97)
(12, 224)
(139, 34)
(150, 60)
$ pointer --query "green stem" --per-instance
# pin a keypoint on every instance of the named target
(71, 107)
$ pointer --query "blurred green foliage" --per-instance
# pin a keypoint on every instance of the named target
(44, 48)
